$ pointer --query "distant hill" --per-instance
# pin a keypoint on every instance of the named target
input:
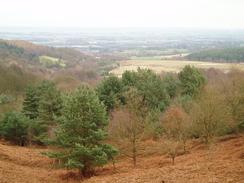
(232, 55)
(10, 52)
(22, 63)
(29, 53)
(14, 79)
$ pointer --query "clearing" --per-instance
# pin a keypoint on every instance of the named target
(170, 65)
(51, 61)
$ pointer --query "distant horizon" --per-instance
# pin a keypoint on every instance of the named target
(67, 28)
(209, 14)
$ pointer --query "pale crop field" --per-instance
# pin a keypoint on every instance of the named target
(175, 66)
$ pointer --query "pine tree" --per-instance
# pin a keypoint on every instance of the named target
(14, 127)
(42, 104)
(149, 85)
(31, 102)
(81, 132)
(191, 80)
(50, 104)
(110, 91)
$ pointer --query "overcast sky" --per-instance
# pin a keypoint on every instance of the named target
(123, 13)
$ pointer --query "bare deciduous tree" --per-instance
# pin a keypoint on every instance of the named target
(129, 125)
(177, 125)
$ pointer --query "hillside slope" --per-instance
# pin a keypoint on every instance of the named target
(14, 79)
(28, 53)
(223, 162)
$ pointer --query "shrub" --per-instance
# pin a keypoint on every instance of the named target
(173, 149)
(4, 99)
(211, 115)
(14, 127)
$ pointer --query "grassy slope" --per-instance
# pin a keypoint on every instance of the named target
(223, 162)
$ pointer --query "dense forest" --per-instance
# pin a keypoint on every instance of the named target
(234, 55)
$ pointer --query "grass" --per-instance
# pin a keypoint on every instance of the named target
(159, 66)
(159, 57)
(146, 58)
(51, 61)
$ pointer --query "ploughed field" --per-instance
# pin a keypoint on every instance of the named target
(220, 163)
(171, 65)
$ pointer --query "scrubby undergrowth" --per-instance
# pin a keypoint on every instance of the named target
(222, 162)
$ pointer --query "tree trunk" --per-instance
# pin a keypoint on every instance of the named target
(184, 146)
(87, 171)
(113, 164)
(134, 151)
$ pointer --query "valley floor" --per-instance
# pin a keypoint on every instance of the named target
(223, 162)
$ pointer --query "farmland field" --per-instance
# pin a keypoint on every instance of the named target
(161, 57)
(170, 65)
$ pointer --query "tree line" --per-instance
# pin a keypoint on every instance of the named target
(234, 55)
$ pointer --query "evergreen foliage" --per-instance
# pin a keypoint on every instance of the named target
(191, 80)
(42, 104)
(110, 91)
(171, 85)
(50, 104)
(31, 102)
(150, 86)
(14, 127)
(219, 55)
(81, 132)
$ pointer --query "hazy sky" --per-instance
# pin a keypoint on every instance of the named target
(123, 13)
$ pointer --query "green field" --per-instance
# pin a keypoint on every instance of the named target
(52, 61)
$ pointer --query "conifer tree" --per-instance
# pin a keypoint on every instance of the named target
(191, 80)
(31, 102)
(50, 104)
(81, 132)
(14, 127)
(110, 91)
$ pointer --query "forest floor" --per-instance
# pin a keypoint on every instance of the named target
(219, 163)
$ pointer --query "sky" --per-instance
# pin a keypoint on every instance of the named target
(123, 13)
